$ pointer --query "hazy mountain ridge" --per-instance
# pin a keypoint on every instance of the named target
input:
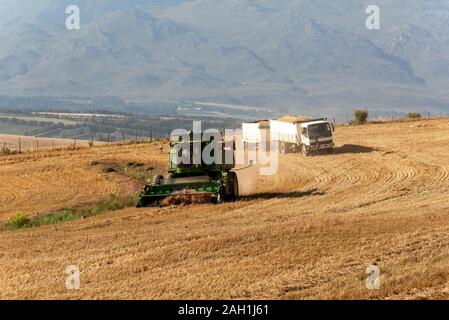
(286, 54)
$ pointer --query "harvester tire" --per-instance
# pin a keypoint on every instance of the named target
(141, 203)
(233, 187)
(157, 180)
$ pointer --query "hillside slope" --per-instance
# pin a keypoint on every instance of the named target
(312, 56)
(309, 232)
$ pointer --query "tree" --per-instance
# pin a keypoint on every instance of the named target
(413, 115)
(361, 116)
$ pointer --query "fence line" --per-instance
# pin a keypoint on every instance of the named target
(23, 143)
(26, 144)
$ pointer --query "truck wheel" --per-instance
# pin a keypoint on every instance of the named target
(157, 180)
(305, 151)
(283, 148)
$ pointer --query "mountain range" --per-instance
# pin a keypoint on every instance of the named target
(304, 56)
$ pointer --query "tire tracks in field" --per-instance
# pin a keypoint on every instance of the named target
(362, 179)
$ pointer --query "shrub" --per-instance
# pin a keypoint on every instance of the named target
(134, 164)
(112, 203)
(6, 151)
(361, 116)
(55, 217)
(413, 115)
(109, 170)
(19, 220)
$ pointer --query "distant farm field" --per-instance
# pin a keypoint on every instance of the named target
(310, 232)
(39, 119)
(14, 129)
(27, 143)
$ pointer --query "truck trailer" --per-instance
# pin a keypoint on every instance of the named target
(255, 133)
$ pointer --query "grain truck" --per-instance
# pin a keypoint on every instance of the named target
(310, 136)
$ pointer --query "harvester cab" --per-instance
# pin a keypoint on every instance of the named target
(199, 170)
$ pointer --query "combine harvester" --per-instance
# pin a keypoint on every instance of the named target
(193, 183)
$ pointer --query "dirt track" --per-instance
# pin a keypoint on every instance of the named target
(309, 232)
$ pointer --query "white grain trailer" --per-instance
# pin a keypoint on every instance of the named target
(255, 133)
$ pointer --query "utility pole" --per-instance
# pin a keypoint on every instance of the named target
(20, 145)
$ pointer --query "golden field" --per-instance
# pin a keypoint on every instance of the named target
(307, 233)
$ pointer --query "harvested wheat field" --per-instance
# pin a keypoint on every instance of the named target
(308, 233)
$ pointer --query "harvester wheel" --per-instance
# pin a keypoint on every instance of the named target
(157, 180)
(233, 187)
(141, 203)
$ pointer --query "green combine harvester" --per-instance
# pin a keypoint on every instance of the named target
(213, 182)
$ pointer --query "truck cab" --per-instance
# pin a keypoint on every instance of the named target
(316, 136)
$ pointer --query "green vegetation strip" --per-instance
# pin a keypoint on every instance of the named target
(112, 203)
